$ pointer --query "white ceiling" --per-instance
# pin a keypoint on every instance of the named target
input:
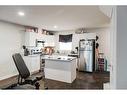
(65, 17)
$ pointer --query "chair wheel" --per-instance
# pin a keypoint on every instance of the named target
(46, 87)
(37, 85)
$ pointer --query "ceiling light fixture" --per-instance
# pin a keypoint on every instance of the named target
(21, 13)
(55, 26)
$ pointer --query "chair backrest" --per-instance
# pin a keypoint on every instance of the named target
(21, 66)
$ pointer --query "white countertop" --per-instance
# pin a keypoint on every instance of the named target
(58, 57)
(33, 55)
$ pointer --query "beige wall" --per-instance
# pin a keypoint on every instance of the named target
(104, 39)
(11, 41)
(75, 39)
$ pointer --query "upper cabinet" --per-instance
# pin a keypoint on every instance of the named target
(32, 36)
(49, 40)
(47, 36)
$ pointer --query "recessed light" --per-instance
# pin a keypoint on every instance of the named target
(21, 13)
(55, 26)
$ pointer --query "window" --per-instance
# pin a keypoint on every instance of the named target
(65, 46)
(65, 42)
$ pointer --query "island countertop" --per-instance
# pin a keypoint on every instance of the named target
(60, 68)
(58, 57)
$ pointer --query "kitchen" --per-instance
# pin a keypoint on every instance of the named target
(41, 46)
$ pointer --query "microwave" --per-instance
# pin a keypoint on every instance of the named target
(40, 43)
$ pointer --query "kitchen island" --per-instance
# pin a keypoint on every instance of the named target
(60, 68)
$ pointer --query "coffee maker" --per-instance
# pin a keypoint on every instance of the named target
(26, 52)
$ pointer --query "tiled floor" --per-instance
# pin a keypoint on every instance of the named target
(83, 81)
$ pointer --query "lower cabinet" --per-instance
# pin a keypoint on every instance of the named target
(32, 62)
(35, 64)
(27, 62)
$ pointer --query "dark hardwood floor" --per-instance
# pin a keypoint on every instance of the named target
(83, 81)
(13, 80)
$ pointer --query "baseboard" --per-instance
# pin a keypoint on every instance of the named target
(8, 77)
(13, 76)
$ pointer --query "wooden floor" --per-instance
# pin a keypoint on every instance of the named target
(13, 80)
(83, 81)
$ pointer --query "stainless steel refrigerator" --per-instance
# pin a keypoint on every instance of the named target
(86, 55)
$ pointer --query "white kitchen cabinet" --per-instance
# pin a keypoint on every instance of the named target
(60, 69)
(49, 40)
(35, 63)
(30, 38)
(32, 62)
(27, 62)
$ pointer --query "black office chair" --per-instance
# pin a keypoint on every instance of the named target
(24, 74)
